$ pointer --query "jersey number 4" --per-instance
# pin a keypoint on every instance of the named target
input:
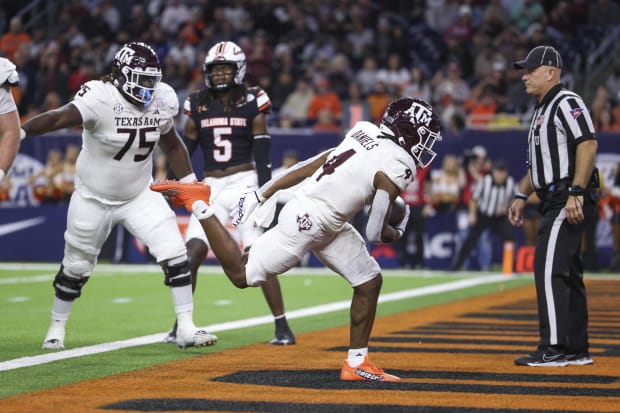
(142, 144)
(334, 162)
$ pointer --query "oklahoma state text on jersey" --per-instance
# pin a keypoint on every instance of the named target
(226, 137)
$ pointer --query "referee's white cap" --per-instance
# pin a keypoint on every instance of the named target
(540, 56)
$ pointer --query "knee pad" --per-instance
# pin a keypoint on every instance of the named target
(177, 275)
(68, 287)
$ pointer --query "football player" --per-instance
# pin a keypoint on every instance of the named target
(372, 164)
(228, 121)
(123, 116)
(9, 118)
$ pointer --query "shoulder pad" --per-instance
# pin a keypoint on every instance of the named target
(165, 96)
(262, 99)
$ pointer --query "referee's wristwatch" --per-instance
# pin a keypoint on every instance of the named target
(575, 190)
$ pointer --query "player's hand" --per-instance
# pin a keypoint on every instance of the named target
(400, 227)
(241, 211)
(515, 212)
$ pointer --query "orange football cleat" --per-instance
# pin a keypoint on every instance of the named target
(183, 193)
(365, 372)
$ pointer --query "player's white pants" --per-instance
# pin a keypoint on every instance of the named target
(300, 230)
(225, 192)
(89, 222)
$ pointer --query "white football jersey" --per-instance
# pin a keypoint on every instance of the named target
(344, 184)
(116, 162)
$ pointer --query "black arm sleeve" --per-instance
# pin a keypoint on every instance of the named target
(262, 157)
(190, 144)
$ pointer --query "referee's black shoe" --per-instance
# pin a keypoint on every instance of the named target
(545, 356)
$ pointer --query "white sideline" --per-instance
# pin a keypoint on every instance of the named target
(249, 322)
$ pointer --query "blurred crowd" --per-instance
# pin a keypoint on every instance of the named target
(326, 64)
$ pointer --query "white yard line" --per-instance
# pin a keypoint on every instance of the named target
(249, 322)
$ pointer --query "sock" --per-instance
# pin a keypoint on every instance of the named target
(183, 306)
(357, 356)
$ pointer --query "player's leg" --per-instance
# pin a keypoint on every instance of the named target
(271, 290)
(88, 225)
(346, 254)
(149, 218)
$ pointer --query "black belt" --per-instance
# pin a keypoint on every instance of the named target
(561, 185)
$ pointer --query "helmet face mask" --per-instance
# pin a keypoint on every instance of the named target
(414, 125)
(137, 72)
(220, 56)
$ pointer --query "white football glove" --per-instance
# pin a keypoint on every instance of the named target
(403, 224)
(241, 211)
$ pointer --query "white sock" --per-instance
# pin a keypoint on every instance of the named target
(183, 306)
(357, 356)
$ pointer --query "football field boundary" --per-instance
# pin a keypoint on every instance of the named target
(29, 361)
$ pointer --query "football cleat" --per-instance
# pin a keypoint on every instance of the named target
(199, 338)
(185, 194)
(285, 338)
(53, 344)
(365, 372)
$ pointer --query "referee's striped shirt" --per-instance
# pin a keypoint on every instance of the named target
(560, 121)
(493, 199)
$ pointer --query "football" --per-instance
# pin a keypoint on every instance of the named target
(397, 211)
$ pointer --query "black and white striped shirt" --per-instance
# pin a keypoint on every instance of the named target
(493, 199)
(560, 121)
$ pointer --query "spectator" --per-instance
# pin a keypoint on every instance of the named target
(418, 87)
(260, 58)
(67, 176)
(12, 39)
(496, 17)
(395, 76)
(356, 108)
(462, 29)
(451, 93)
(359, 41)
(325, 122)
(46, 183)
(281, 89)
(526, 12)
(378, 100)
(446, 185)
(367, 75)
(297, 103)
(174, 15)
(324, 98)
(481, 106)
(604, 13)
(615, 220)
(440, 14)
(339, 75)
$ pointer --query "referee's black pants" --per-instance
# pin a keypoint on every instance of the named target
(499, 225)
(558, 273)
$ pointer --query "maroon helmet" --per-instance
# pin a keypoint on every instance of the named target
(136, 72)
(414, 125)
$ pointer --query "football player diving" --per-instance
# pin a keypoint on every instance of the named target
(371, 165)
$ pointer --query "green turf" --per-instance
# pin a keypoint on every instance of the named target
(119, 306)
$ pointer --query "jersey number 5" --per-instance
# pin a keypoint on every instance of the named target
(222, 151)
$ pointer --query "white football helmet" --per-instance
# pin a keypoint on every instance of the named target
(225, 53)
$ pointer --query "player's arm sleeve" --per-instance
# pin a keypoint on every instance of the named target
(293, 175)
(376, 218)
(190, 136)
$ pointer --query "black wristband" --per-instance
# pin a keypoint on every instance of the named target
(575, 190)
(521, 195)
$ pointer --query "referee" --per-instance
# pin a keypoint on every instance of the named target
(561, 153)
(488, 209)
